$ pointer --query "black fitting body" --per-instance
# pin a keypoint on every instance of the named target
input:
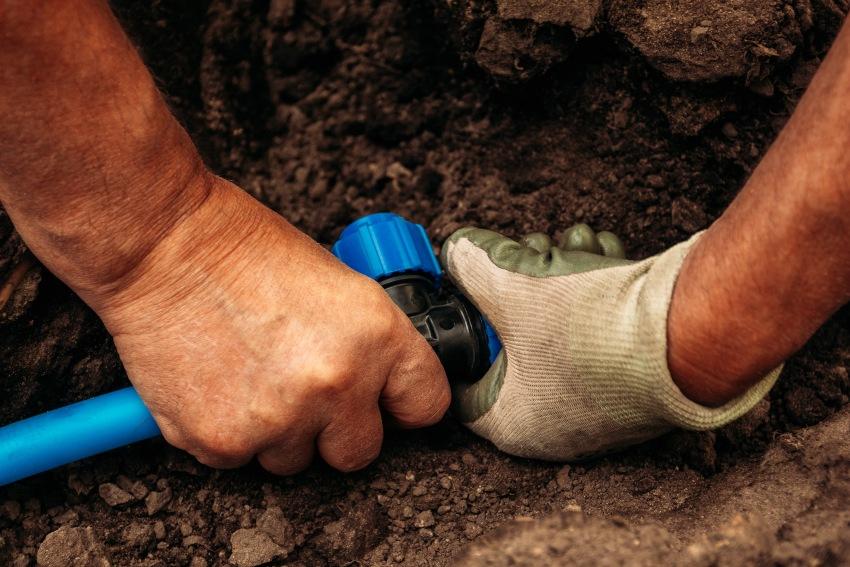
(449, 322)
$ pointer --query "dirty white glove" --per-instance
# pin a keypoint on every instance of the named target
(584, 365)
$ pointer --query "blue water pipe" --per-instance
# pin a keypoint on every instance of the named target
(381, 246)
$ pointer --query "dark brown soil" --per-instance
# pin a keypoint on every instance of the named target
(643, 118)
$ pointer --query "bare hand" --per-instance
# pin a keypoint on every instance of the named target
(244, 337)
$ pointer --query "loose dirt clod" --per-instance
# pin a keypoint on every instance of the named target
(700, 41)
(253, 547)
(72, 547)
(114, 495)
(158, 500)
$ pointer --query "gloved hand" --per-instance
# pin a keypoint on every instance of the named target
(584, 365)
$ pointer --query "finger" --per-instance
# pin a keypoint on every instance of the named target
(538, 241)
(416, 393)
(351, 442)
(220, 449)
(290, 455)
(611, 245)
(472, 400)
(580, 238)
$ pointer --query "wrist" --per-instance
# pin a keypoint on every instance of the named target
(203, 261)
(718, 343)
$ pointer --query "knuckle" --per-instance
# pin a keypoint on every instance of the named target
(330, 380)
(385, 317)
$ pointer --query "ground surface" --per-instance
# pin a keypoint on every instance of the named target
(643, 118)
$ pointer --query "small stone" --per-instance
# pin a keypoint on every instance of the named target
(156, 501)
(424, 519)
(426, 533)
(428, 502)
(21, 560)
(253, 547)
(407, 512)
(198, 562)
(362, 528)
(113, 494)
(72, 547)
(697, 32)
(471, 530)
(419, 490)
(444, 509)
(138, 535)
(139, 490)
(275, 524)
(729, 130)
(469, 459)
(446, 483)
(159, 530)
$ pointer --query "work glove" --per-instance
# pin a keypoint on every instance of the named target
(584, 365)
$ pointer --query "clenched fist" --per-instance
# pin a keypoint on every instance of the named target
(244, 338)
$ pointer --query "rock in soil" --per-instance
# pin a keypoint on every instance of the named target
(72, 547)
(253, 547)
(158, 500)
(113, 495)
(356, 533)
(274, 523)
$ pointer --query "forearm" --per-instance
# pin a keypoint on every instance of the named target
(775, 266)
(93, 167)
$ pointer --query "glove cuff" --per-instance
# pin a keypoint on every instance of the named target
(644, 326)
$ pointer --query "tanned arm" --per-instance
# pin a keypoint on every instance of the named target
(776, 264)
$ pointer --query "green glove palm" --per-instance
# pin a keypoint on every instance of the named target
(583, 368)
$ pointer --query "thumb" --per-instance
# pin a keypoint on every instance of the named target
(472, 400)
(416, 393)
(467, 257)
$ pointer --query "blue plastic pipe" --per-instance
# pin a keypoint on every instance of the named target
(72, 433)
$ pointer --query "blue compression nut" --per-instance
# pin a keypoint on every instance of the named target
(381, 245)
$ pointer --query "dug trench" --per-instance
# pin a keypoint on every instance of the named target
(643, 118)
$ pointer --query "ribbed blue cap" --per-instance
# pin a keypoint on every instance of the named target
(381, 245)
